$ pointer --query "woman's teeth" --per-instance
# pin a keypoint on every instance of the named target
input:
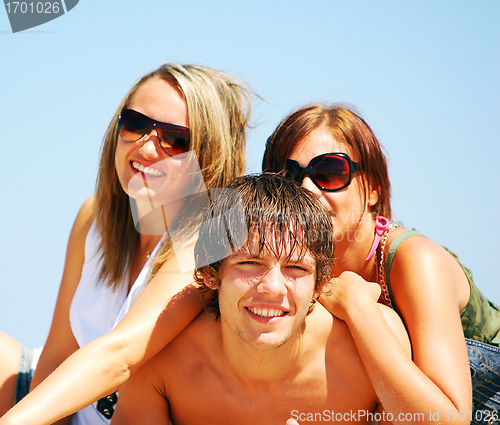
(147, 170)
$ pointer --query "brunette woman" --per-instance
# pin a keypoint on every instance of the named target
(333, 152)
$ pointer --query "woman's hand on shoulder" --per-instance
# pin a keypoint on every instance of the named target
(349, 292)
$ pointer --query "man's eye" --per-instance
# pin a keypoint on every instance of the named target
(248, 263)
(295, 267)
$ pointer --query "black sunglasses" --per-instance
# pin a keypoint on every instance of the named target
(330, 172)
(173, 139)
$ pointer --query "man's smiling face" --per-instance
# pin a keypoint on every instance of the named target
(264, 298)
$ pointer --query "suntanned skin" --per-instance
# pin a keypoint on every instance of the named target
(429, 289)
(68, 378)
(234, 370)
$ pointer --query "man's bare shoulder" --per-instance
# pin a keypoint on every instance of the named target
(190, 349)
(326, 328)
(341, 357)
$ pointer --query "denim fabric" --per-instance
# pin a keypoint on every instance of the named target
(484, 361)
(25, 374)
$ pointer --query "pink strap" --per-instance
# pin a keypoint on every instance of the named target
(381, 225)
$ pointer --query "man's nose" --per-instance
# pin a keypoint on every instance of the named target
(273, 282)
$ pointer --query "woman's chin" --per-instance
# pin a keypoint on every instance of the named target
(153, 195)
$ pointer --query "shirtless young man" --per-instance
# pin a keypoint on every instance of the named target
(264, 351)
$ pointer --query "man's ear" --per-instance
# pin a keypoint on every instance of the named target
(210, 281)
(314, 298)
(317, 293)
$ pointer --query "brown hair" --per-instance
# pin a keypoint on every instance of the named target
(280, 214)
(219, 107)
(347, 128)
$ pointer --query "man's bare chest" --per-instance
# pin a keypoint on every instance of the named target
(313, 401)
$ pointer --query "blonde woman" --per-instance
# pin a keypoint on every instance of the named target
(126, 288)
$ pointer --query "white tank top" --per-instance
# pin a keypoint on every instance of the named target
(96, 308)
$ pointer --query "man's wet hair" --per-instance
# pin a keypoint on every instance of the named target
(276, 213)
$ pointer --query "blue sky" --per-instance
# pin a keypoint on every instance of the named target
(424, 74)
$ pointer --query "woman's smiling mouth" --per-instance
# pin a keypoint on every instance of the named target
(147, 170)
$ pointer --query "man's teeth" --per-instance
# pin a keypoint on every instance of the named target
(264, 312)
(147, 170)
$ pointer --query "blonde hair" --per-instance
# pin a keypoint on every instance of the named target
(219, 107)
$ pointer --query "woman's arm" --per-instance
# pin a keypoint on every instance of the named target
(429, 289)
(407, 389)
(165, 307)
(142, 400)
(61, 343)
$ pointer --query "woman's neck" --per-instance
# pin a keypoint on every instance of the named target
(351, 255)
(147, 243)
(152, 220)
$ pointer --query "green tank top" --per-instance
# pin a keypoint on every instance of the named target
(480, 317)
